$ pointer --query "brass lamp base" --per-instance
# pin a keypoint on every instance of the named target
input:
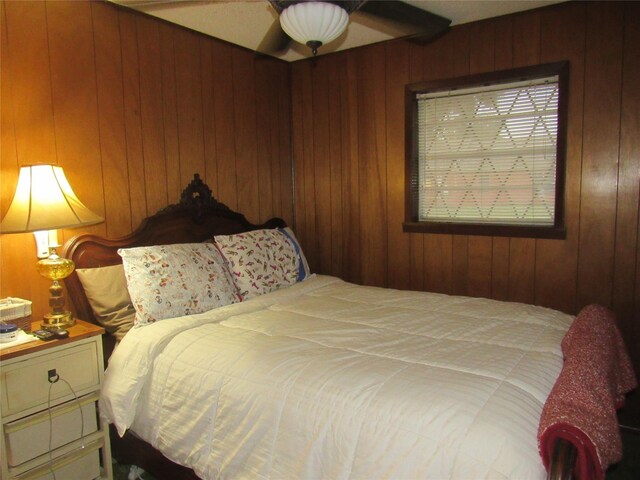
(58, 321)
(56, 268)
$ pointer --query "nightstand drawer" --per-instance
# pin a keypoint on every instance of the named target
(28, 437)
(81, 465)
(26, 384)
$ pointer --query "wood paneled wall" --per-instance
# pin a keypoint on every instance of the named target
(132, 107)
(348, 142)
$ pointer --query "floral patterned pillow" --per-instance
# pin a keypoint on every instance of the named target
(263, 260)
(167, 281)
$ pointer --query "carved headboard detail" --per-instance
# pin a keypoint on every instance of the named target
(196, 198)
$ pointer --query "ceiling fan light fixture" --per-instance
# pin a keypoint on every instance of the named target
(314, 23)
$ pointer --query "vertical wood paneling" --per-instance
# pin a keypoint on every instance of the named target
(372, 148)
(225, 124)
(28, 47)
(322, 162)
(297, 130)
(351, 155)
(397, 75)
(244, 102)
(266, 118)
(600, 143)
(500, 268)
(189, 102)
(336, 129)
(563, 38)
(132, 122)
(208, 115)
(170, 113)
(625, 268)
(275, 132)
(9, 156)
(272, 134)
(150, 65)
(308, 170)
(127, 104)
(113, 139)
(284, 178)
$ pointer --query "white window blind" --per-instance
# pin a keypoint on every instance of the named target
(488, 154)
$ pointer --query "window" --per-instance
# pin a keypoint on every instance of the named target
(486, 153)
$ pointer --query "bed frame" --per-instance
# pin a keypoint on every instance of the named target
(196, 218)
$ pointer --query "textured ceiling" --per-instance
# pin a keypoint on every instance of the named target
(246, 22)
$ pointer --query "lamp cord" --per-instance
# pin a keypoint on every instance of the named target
(52, 381)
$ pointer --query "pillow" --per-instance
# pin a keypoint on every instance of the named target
(106, 291)
(303, 271)
(168, 281)
(262, 261)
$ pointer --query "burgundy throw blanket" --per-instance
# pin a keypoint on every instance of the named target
(581, 407)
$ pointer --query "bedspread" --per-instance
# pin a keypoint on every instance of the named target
(326, 379)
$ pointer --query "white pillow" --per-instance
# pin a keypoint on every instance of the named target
(262, 261)
(167, 281)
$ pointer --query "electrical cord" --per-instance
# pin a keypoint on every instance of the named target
(52, 380)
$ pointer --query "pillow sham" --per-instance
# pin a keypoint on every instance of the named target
(262, 261)
(106, 291)
(303, 270)
(167, 281)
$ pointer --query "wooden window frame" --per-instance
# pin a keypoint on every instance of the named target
(412, 224)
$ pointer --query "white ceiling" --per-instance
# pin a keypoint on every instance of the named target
(245, 22)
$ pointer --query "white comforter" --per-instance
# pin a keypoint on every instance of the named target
(331, 380)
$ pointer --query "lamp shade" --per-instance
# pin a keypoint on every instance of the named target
(314, 23)
(44, 200)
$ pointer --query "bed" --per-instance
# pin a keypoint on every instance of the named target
(326, 379)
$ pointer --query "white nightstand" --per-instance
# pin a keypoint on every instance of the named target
(30, 403)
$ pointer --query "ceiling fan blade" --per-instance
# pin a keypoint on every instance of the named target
(426, 23)
(351, 5)
(278, 5)
(275, 40)
(155, 5)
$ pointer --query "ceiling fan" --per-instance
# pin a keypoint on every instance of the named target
(315, 23)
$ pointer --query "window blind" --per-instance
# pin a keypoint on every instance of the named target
(488, 154)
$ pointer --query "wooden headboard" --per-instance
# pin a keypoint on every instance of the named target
(196, 218)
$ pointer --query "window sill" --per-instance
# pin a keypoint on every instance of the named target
(484, 229)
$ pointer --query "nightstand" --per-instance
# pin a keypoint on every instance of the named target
(32, 401)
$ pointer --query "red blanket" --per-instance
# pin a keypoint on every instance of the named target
(581, 407)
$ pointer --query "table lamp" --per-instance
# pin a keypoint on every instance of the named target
(45, 201)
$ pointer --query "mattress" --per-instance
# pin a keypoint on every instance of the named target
(326, 379)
